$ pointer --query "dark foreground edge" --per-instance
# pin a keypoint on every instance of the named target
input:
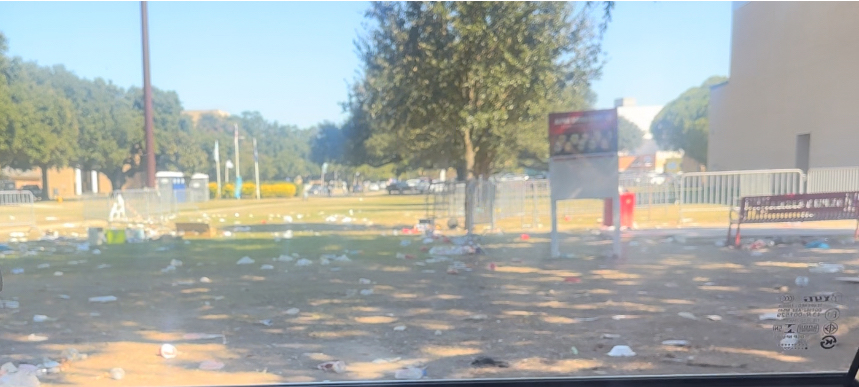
(745, 380)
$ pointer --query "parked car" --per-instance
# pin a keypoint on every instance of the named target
(373, 186)
(7, 185)
(34, 189)
(401, 187)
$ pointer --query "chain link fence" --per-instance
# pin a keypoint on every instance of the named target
(17, 208)
(140, 205)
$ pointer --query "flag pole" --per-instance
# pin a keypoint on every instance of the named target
(256, 168)
(218, 168)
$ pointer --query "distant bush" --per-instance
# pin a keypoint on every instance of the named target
(266, 190)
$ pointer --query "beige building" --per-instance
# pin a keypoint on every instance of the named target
(791, 98)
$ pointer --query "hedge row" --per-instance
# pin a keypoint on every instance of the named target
(266, 190)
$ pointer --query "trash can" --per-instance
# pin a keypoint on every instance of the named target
(627, 209)
(95, 235)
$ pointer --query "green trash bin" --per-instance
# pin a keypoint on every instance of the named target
(115, 236)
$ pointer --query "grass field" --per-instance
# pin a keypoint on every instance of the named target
(546, 317)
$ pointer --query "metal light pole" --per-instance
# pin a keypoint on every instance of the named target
(256, 169)
(236, 144)
(218, 167)
(147, 101)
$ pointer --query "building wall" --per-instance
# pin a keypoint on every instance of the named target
(793, 71)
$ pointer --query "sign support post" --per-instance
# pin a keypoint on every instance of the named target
(556, 248)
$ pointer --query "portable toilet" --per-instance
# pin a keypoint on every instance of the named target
(199, 191)
(172, 184)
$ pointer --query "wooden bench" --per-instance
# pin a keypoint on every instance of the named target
(794, 208)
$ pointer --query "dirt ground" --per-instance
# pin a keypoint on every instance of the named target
(545, 317)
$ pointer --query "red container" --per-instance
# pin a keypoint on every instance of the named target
(627, 209)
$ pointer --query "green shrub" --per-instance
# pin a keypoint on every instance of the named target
(267, 190)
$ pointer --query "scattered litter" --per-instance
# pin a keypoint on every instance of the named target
(205, 280)
(72, 354)
(342, 258)
(586, 319)
(676, 343)
(17, 270)
(58, 274)
(610, 336)
(245, 261)
(175, 262)
(400, 328)
(489, 362)
(284, 258)
(364, 281)
(438, 332)
(687, 315)
(826, 268)
(714, 317)
(621, 351)
(183, 283)
(266, 267)
(769, 316)
(287, 234)
(96, 251)
(818, 244)
(620, 317)
(452, 250)
(102, 299)
(102, 266)
(428, 240)
(476, 317)
(410, 373)
(366, 292)
(43, 266)
(292, 311)
(288, 219)
(303, 262)
(401, 256)
(324, 261)
(40, 318)
(336, 366)
(169, 269)
(210, 365)
(405, 242)
(36, 338)
(801, 281)
(65, 297)
(202, 336)
(9, 304)
(388, 360)
(168, 351)
(266, 322)
(117, 373)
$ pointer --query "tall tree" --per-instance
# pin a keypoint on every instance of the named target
(684, 124)
(629, 135)
(43, 128)
(454, 82)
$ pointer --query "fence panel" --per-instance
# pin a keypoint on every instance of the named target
(17, 208)
(134, 205)
(720, 191)
(844, 179)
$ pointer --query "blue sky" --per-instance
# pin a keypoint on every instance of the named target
(292, 60)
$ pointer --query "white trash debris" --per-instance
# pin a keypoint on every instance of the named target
(342, 258)
(17, 270)
(366, 292)
(687, 315)
(676, 343)
(452, 250)
(438, 332)
(336, 366)
(245, 261)
(410, 373)
(117, 373)
(169, 269)
(610, 336)
(288, 219)
(324, 261)
(175, 262)
(714, 317)
(266, 322)
(769, 316)
(476, 317)
(102, 266)
(202, 336)
(58, 274)
(65, 296)
(364, 281)
(292, 311)
(401, 256)
(826, 268)
(621, 351)
(168, 351)
(347, 220)
(400, 328)
(205, 280)
(96, 251)
(40, 318)
(801, 281)
(266, 267)
(284, 258)
(303, 262)
(43, 266)
(36, 338)
(102, 299)
(287, 234)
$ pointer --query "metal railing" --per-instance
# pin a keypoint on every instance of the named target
(17, 208)
(842, 179)
(140, 205)
(721, 191)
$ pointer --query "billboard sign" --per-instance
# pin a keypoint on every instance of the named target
(583, 154)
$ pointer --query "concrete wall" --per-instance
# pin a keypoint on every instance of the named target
(794, 70)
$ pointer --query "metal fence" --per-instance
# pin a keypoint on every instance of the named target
(139, 205)
(822, 180)
(721, 191)
(17, 208)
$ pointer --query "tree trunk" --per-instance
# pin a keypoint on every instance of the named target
(45, 195)
(469, 182)
(117, 179)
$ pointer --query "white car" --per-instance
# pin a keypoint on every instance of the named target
(373, 187)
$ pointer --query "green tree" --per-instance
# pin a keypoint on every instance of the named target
(455, 83)
(629, 135)
(43, 128)
(684, 123)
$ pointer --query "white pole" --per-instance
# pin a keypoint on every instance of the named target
(555, 246)
(616, 216)
(218, 168)
(256, 169)
(236, 144)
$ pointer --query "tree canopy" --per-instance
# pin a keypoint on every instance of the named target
(684, 124)
(629, 135)
(459, 84)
